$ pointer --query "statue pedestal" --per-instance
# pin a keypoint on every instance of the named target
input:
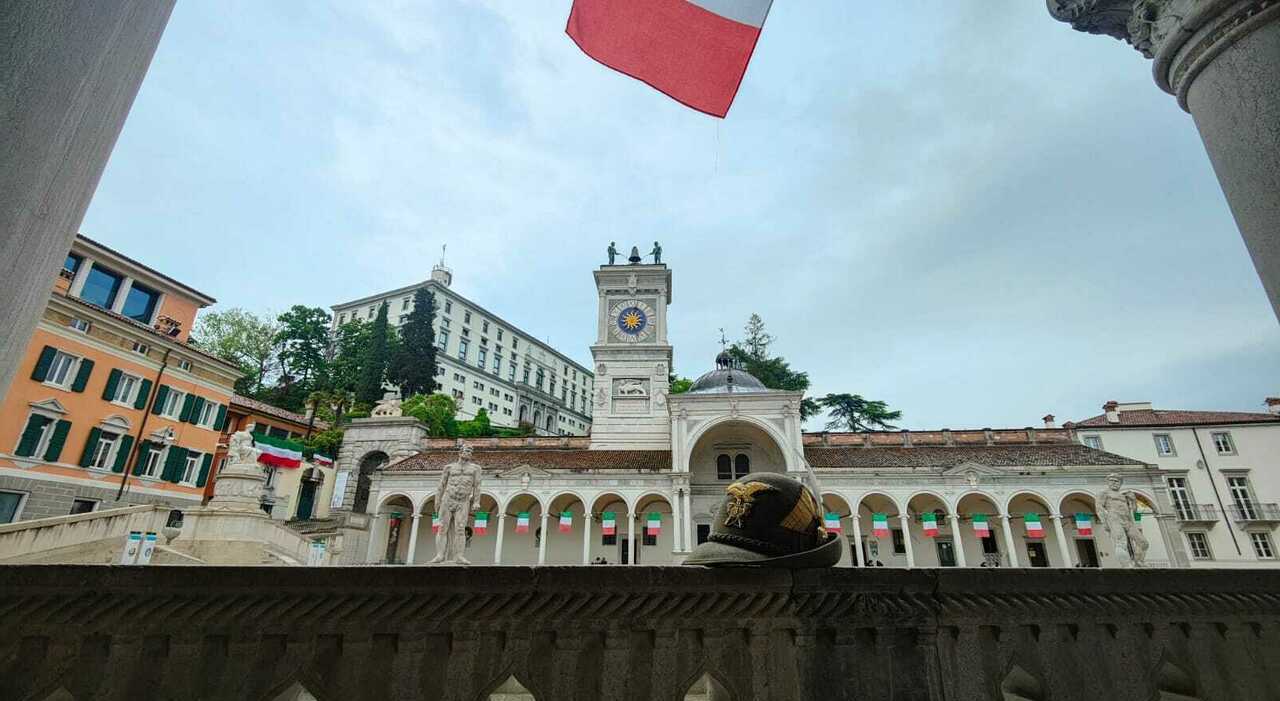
(239, 488)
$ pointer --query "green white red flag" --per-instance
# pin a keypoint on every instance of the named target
(435, 523)
(566, 522)
(930, 521)
(609, 523)
(880, 525)
(1084, 524)
(482, 523)
(831, 522)
(1034, 528)
(522, 522)
(654, 524)
(980, 525)
(278, 452)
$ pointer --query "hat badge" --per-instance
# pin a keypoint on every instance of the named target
(741, 496)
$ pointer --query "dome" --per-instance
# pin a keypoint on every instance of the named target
(723, 380)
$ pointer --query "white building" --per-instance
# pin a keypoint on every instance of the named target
(1222, 469)
(487, 362)
(662, 459)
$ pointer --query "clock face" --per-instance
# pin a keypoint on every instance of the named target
(633, 320)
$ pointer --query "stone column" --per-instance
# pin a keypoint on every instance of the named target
(497, 547)
(857, 539)
(631, 537)
(1008, 539)
(690, 538)
(959, 543)
(70, 72)
(1221, 60)
(543, 537)
(413, 539)
(905, 520)
(1062, 539)
(586, 536)
(676, 527)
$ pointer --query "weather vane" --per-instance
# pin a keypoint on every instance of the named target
(723, 342)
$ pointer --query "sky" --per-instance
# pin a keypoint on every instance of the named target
(976, 215)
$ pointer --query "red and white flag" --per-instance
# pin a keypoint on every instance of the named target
(696, 51)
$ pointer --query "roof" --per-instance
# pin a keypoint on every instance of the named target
(727, 380)
(542, 458)
(259, 407)
(1028, 455)
(207, 299)
(185, 347)
(1178, 417)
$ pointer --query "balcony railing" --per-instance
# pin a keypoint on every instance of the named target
(1196, 513)
(1253, 511)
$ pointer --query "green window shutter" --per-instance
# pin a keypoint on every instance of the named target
(144, 450)
(122, 453)
(187, 404)
(220, 422)
(31, 435)
(174, 465)
(161, 395)
(41, 370)
(144, 393)
(58, 440)
(89, 446)
(204, 470)
(113, 382)
(196, 407)
(82, 377)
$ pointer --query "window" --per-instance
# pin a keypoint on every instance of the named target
(1182, 503)
(83, 506)
(153, 463)
(140, 303)
(478, 385)
(477, 401)
(741, 466)
(466, 317)
(1198, 544)
(101, 287)
(404, 318)
(497, 363)
(184, 365)
(127, 389)
(459, 378)
(10, 506)
(551, 387)
(444, 323)
(70, 267)
(208, 414)
(1262, 545)
(448, 306)
(493, 406)
(462, 349)
(404, 303)
(457, 394)
(1094, 442)
(369, 313)
(172, 407)
(342, 318)
(1242, 496)
(1223, 443)
(442, 340)
(724, 467)
(899, 544)
(515, 343)
(104, 451)
(511, 371)
(540, 377)
(466, 332)
(1164, 444)
(141, 348)
(191, 471)
(277, 432)
(439, 371)
(484, 327)
(80, 325)
(499, 334)
(61, 370)
(481, 359)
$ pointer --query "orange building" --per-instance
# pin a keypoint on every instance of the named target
(110, 394)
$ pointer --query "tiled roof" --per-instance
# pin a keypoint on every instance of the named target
(1064, 455)
(263, 408)
(546, 459)
(1176, 417)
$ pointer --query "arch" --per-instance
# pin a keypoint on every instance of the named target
(1044, 501)
(634, 505)
(566, 493)
(707, 686)
(995, 502)
(505, 505)
(1020, 685)
(1076, 494)
(885, 495)
(368, 464)
(724, 466)
(946, 504)
(765, 426)
(836, 503)
(396, 495)
(507, 685)
(1173, 683)
(292, 691)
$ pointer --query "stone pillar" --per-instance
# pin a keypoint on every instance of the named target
(543, 536)
(586, 537)
(631, 537)
(1062, 539)
(1221, 60)
(497, 546)
(676, 527)
(905, 520)
(70, 72)
(413, 539)
(690, 538)
(1008, 540)
(857, 539)
(959, 542)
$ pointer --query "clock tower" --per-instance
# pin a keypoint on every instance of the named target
(632, 358)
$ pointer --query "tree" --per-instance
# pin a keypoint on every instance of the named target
(776, 373)
(852, 412)
(350, 344)
(243, 338)
(373, 366)
(303, 339)
(757, 341)
(477, 427)
(437, 411)
(413, 366)
(680, 385)
(324, 442)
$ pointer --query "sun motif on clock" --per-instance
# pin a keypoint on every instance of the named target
(632, 320)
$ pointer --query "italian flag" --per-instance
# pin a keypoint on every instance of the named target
(609, 523)
(879, 524)
(1034, 528)
(322, 460)
(654, 524)
(566, 522)
(831, 522)
(482, 523)
(980, 526)
(435, 523)
(1137, 516)
(522, 522)
(1084, 524)
(278, 452)
(695, 51)
(930, 521)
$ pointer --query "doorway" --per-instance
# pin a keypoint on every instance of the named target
(1037, 555)
(306, 500)
(1088, 552)
(946, 552)
(624, 550)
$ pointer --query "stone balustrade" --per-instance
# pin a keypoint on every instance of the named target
(636, 633)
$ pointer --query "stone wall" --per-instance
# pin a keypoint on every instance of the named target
(47, 498)
(638, 633)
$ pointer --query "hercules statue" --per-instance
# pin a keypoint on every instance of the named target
(457, 495)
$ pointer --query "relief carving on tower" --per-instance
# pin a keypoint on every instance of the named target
(630, 395)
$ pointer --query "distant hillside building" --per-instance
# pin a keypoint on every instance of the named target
(487, 362)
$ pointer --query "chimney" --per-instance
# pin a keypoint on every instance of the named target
(1113, 411)
(1273, 405)
(1048, 421)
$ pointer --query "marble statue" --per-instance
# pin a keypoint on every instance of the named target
(613, 251)
(1115, 513)
(456, 496)
(388, 406)
(241, 480)
(240, 450)
(656, 253)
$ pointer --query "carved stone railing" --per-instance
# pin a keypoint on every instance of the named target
(636, 633)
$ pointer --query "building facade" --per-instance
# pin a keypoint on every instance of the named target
(486, 362)
(644, 486)
(111, 394)
(1221, 469)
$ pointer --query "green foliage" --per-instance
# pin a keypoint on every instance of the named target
(437, 411)
(330, 404)
(477, 427)
(303, 339)
(243, 338)
(852, 412)
(679, 385)
(776, 373)
(357, 414)
(373, 366)
(756, 342)
(413, 364)
(350, 343)
(325, 442)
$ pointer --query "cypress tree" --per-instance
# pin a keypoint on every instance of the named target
(373, 369)
(413, 367)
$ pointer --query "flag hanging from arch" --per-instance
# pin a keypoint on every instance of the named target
(1084, 524)
(566, 521)
(482, 523)
(435, 523)
(522, 522)
(609, 523)
(695, 51)
(930, 521)
(980, 526)
(831, 522)
(879, 525)
(1035, 529)
(653, 526)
